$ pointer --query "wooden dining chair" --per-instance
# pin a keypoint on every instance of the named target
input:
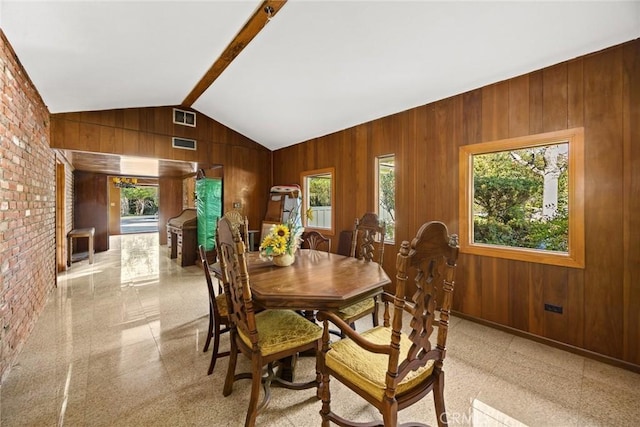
(387, 367)
(218, 314)
(240, 223)
(315, 240)
(264, 337)
(368, 244)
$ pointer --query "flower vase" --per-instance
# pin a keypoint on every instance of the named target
(284, 260)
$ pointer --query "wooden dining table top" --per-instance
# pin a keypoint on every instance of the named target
(315, 281)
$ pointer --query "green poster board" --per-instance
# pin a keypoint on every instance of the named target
(209, 210)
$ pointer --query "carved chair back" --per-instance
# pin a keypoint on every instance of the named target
(315, 240)
(430, 259)
(240, 223)
(368, 238)
(233, 265)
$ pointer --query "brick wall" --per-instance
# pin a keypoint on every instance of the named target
(27, 206)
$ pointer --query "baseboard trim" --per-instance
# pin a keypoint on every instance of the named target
(557, 344)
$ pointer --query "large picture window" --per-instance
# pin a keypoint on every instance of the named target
(522, 198)
(318, 189)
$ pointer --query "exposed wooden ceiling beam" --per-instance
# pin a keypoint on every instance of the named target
(251, 28)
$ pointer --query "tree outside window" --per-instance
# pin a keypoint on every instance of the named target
(523, 198)
(318, 189)
(138, 201)
(386, 183)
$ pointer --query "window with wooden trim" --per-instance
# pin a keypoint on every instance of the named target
(318, 198)
(386, 194)
(523, 198)
(183, 117)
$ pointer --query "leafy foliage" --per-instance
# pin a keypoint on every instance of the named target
(139, 201)
(502, 198)
(387, 194)
(320, 191)
(508, 200)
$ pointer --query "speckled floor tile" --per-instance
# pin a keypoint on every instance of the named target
(120, 343)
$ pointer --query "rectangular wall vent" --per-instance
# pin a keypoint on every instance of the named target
(182, 117)
(183, 143)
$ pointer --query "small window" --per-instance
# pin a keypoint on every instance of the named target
(182, 117)
(522, 198)
(318, 189)
(386, 194)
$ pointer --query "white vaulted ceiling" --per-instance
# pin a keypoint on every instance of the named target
(317, 67)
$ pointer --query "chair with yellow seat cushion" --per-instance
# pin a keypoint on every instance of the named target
(389, 368)
(218, 314)
(265, 337)
(368, 244)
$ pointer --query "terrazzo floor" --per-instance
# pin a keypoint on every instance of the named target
(120, 344)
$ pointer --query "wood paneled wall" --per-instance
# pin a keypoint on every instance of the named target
(600, 92)
(90, 209)
(147, 132)
(170, 200)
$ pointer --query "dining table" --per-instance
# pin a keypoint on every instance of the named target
(316, 280)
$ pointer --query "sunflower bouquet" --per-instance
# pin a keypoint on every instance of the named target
(283, 238)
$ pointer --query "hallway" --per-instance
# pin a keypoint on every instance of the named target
(120, 344)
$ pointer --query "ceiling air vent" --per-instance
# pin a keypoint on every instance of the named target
(183, 143)
(182, 117)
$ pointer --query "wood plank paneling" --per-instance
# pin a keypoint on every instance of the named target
(425, 156)
(555, 292)
(519, 106)
(495, 102)
(535, 280)
(91, 209)
(601, 303)
(468, 291)
(519, 302)
(409, 158)
(554, 98)
(575, 315)
(441, 170)
(603, 195)
(535, 103)
(631, 204)
(472, 117)
(575, 94)
(496, 293)
(170, 204)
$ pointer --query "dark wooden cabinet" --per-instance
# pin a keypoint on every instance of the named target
(182, 237)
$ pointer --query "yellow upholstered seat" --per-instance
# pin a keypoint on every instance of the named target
(221, 301)
(368, 370)
(350, 311)
(279, 330)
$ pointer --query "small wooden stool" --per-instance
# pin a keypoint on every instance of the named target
(79, 233)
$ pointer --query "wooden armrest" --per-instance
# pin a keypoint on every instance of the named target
(348, 331)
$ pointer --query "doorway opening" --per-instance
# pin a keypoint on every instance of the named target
(138, 206)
